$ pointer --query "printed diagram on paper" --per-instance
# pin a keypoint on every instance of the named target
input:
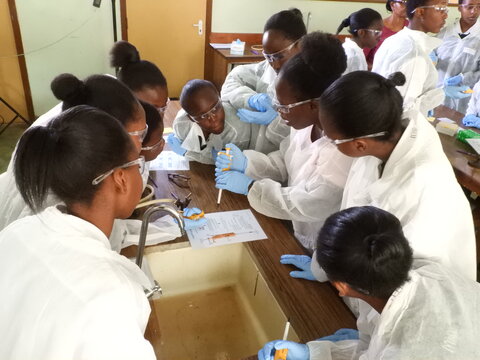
(226, 228)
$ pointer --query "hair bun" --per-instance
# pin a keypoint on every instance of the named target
(397, 78)
(296, 12)
(123, 53)
(67, 86)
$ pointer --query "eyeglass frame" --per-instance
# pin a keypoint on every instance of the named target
(141, 168)
(274, 56)
(277, 106)
(161, 110)
(436, 7)
(208, 114)
(403, 2)
(157, 144)
(342, 141)
(374, 31)
(140, 133)
(474, 7)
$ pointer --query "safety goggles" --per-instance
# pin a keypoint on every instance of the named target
(141, 168)
(470, 8)
(140, 133)
(210, 113)
(279, 54)
(342, 141)
(161, 110)
(435, 7)
(374, 32)
(154, 146)
(403, 2)
(285, 109)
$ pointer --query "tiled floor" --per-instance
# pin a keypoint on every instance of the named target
(8, 139)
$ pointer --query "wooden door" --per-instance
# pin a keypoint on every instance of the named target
(164, 33)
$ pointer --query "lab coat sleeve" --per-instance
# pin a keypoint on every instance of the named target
(276, 131)
(472, 77)
(240, 84)
(114, 324)
(297, 203)
(328, 350)
(416, 70)
(271, 166)
(474, 102)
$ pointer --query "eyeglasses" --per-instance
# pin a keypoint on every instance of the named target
(162, 109)
(279, 54)
(342, 141)
(157, 144)
(470, 7)
(141, 168)
(375, 32)
(209, 113)
(435, 7)
(180, 180)
(140, 133)
(403, 2)
(285, 109)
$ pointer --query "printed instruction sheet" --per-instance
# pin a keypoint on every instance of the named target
(227, 227)
(168, 160)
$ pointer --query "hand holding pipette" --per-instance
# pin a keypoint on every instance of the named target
(219, 198)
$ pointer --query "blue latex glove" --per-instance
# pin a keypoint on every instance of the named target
(260, 102)
(176, 144)
(455, 92)
(255, 117)
(303, 262)
(434, 57)
(235, 160)
(233, 181)
(192, 224)
(471, 120)
(454, 80)
(342, 334)
(296, 351)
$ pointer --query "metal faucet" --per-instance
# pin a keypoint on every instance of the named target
(146, 220)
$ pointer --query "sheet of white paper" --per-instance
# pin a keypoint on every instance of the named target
(227, 227)
(475, 144)
(447, 120)
(168, 160)
(220, 45)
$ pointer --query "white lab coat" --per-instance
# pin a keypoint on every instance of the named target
(124, 232)
(474, 103)
(67, 295)
(200, 149)
(356, 60)
(408, 51)
(419, 187)
(302, 182)
(459, 56)
(435, 315)
(247, 80)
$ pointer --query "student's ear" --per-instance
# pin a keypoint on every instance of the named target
(120, 180)
(360, 145)
(361, 33)
(342, 287)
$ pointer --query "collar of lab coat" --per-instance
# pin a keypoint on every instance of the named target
(71, 228)
(191, 142)
(352, 44)
(455, 29)
(426, 42)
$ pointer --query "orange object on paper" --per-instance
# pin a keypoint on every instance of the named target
(281, 354)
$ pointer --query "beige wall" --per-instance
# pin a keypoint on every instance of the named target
(249, 16)
(11, 88)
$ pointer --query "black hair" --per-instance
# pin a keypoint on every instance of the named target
(321, 61)
(362, 103)
(101, 91)
(412, 5)
(289, 22)
(66, 155)
(388, 6)
(360, 19)
(191, 88)
(137, 74)
(365, 247)
(153, 118)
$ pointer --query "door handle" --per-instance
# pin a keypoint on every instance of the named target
(200, 27)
